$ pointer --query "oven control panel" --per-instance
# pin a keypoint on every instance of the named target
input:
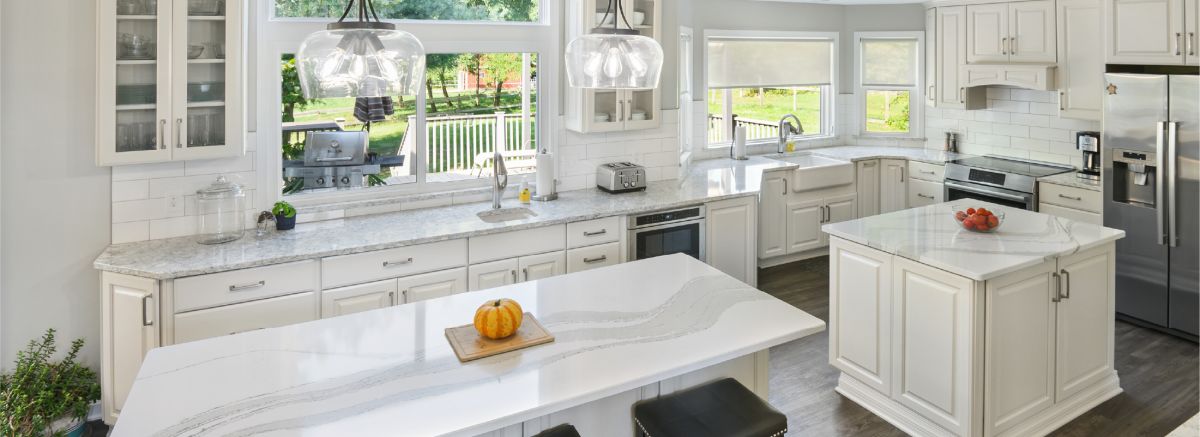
(987, 177)
(667, 217)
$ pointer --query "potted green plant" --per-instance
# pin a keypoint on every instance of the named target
(44, 397)
(285, 216)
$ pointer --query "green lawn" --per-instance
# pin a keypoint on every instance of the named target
(773, 105)
(878, 116)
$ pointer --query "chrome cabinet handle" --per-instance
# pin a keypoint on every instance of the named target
(1066, 280)
(622, 109)
(962, 99)
(1191, 43)
(785, 190)
(1003, 46)
(925, 196)
(1178, 42)
(244, 287)
(392, 298)
(1012, 45)
(146, 320)
(162, 134)
(593, 234)
(1062, 100)
(902, 171)
(525, 273)
(398, 262)
(178, 133)
(927, 172)
(1075, 198)
(931, 96)
(600, 258)
(514, 275)
(629, 107)
(1057, 287)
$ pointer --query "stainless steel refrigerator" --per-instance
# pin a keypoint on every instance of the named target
(1151, 144)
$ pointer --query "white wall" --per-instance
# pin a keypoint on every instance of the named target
(56, 201)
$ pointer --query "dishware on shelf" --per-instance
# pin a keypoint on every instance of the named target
(205, 8)
(130, 7)
(639, 18)
(135, 47)
(205, 91)
(603, 18)
(220, 207)
(194, 51)
(600, 117)
(217, 50)
(979, 220)
(136, 94)
(638, 115)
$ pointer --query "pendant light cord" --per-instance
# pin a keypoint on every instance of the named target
(620, 12)
(366, 11)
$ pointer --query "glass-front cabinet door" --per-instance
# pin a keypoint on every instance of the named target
(133, 105)
(205, 86)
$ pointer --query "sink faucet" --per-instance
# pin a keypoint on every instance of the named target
(786, 128)
(498, 170)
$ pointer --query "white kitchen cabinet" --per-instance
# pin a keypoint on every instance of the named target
(156, 104)
(860, 314)
(1153, 32)
(1019, 344)
(893, 185)
(432, 285)
(600, 255)
(1011, 32)
(773, 214)
(804, 220)
(1071, 213)
(839, 209)
(1085, 308)
(950, 56)
(867, 183)
(1071, 202)
(1080, 84)
(542, 266)
(730, 226)
(594, 110)
(248, 316)
(358, 298)
(931, 59)
(924, 193)
(338, 271)
(492, 274)
(987, 33)
(131, 329)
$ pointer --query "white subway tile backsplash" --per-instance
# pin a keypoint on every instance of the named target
(240, 164)
(1011, 130)
(993, 116)
(998, 93)
(130, 232)
(130, 190)
(147, 171)
(1032, 95)
(1008, 106)
(173, 227)
(1032, 120)
(146, 209)
(1052, 134)
(1043, 108)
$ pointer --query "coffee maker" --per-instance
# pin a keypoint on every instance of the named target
(1089, 144)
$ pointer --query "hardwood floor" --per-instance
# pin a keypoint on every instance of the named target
(1158, 373)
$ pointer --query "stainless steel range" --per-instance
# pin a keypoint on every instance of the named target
(1005, 181)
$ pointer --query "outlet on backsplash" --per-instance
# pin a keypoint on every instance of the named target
(173, 205)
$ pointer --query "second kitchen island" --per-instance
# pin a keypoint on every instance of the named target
(945, 332)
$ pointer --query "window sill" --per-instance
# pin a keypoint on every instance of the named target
(772, 142)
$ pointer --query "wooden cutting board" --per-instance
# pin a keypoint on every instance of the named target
(468, 345)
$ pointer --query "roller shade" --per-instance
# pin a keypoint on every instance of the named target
(769, 63)
(889, 62)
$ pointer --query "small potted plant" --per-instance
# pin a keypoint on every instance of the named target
(285, 216)
(43, 397)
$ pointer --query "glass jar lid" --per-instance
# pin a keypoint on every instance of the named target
(220, 189)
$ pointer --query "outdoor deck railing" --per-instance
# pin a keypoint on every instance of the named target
(755, 129)
(453, 142)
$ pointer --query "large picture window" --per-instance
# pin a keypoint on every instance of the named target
(755, 79)
(887, 71)
(445, 10)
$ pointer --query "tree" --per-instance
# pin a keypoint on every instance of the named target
(293, 95)
(499, 67)
(439, 66)
(473, 63)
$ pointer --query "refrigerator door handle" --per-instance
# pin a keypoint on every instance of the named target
(1171, 176)
(1159, 192)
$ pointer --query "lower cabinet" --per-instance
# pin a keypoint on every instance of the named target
(860, 314)
(893, 185)
(513, 270)
(867, 183)
(432, 285)
(593, 257)
(924, 193)
(248, 316)
(131, 329)
(806, 217)
(358, 298)
(731, 238)
(542, 266)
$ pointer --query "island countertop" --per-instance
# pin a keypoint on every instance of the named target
(617, 328)
(930, 235)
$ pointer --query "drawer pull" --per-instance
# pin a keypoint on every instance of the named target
(593, 234)
(514, 276)
(244, 287)
(925, 196)
(931, 172)
(1075, 198)
(402, 262)
(146, 320)
(392, 298)
(601, 258)
(1066, 280)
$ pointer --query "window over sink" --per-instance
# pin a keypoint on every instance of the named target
(887, 73)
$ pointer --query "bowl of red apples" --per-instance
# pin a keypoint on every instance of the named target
(979, 219)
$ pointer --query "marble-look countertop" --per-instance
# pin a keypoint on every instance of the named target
(1069, 179)
(858, 153)
(392, 371)
(181, 257)
(930, 235)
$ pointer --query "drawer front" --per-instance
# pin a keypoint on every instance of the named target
(1071, 197)
(518, 243)
(592, 257)
(593, 232)
(339, 271)
(248, 316)
(923, 193)
(926, 171)
(226, 288)
(1071, 214)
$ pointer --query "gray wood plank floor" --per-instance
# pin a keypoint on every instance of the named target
(1158, 373)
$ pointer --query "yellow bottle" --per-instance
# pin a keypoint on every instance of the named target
(525, 195)
(791, 146)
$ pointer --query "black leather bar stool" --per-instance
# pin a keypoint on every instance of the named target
(721, 408)
(564, 430)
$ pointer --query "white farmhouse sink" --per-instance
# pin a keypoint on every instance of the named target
(817, 172)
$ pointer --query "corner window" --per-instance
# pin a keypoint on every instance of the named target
(755, 79)
(887, 72)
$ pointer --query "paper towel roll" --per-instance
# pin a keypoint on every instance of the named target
(545, 174)
(739, 142)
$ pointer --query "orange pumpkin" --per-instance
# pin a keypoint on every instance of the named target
(497, 319)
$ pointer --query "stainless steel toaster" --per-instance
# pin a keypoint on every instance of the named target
(621, 177)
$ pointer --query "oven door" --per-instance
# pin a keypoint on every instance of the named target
(682, 237)
(956, 190)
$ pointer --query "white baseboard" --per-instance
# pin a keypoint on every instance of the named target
(786, 259)
(887, 409)
(1068, 409)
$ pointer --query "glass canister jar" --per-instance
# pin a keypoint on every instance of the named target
(222, 218)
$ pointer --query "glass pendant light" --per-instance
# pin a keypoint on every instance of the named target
(614, 58)
(364, 58)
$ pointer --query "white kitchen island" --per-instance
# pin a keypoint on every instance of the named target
(946, 332)
(623, 333)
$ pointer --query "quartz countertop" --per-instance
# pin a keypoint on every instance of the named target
(1069, 179)
(709, 180)
(858, 153)
(930, 235)
(616, 328)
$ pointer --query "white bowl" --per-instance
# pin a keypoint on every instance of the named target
(600, 117)
(638, 115)
(639, 18)
(600, 21)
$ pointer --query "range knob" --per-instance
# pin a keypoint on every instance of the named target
(345, 180)
(321, 180)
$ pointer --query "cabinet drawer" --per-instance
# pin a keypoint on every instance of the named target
(923, 193)
(926, 172)
(591, 257)
(1070, 197)
(518, 243)
(592, 232)
(1071, 214)
(345, 270)
(244, 285)
(248, 316)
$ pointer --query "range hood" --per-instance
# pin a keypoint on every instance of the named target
(1030, 76)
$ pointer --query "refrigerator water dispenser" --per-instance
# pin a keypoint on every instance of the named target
(1134, 178)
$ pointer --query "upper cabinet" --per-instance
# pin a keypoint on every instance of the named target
(169, 80)
(949, 54)
(590, 110)
(1157, 32)
(1011, 32)
(1082, 54)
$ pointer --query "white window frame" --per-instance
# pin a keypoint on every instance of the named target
(916, 97)
(276, 36)
(828, 95)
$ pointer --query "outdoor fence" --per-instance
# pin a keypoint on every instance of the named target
(755, 129)
(454, 142)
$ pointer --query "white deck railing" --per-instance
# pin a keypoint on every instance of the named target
(755, 129)
(455, 142)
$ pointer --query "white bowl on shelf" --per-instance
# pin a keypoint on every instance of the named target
(600, 117)
(639, 18)
(638, 116)
(600, 18)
